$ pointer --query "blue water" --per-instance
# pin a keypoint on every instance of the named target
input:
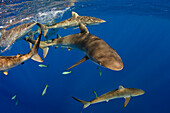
(138, 30)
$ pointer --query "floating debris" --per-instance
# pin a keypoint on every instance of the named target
(95, 93)
(42, 65)
(14, 97)
(67, 72)
(100, 72)
(45, 89)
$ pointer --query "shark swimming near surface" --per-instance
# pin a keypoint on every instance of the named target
(121, 92)
(8, 62)
(94, 48)
(8, 37)
(73, 22)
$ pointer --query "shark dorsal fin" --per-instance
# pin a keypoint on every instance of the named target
(121, 87)
(74, 14)
(127, 99)
(83, 28)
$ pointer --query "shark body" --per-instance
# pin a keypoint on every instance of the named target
(94, 48)
(121, 92)
(8, 62)
(8, 37)
(73, 22)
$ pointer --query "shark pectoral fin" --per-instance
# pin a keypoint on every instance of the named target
(79, 62)
(37, 58)
(74, 14)
(83, 28)
(5, 72)
(107, 100)
(45, 51)
(127, 99)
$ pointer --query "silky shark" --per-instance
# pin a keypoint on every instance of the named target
(8, 37)
(122, 92)
(8, 62)
(73, 22)
(94, 48)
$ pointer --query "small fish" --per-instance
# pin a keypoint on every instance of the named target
(42, 65)
(95, 93)
(100, 72)
(67, 72)
(45, 89)
(14, 97)
(16, 103)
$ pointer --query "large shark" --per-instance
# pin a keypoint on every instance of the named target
(8, 62)
(8, 37)
(94, 48)
(122, 92)
(73, 22)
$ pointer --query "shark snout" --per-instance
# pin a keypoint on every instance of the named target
(102, 21)
(141, 92)
(117, 66)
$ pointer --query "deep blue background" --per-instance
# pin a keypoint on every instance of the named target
(140, 33)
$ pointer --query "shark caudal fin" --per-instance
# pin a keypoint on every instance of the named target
(45, 49)
(44, 28)
(86, 104)
(33, 52)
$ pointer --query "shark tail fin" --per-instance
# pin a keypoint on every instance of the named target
(33, 52)
(44, 28)
(86, 104)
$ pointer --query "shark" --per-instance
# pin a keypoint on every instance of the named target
(8, 62)
(73, 22)
(94, 48)
(121, 92)
(8, 37)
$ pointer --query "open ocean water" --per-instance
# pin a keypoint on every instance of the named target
(139, 30)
